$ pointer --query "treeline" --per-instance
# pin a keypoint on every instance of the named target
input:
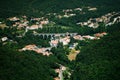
(39, 7)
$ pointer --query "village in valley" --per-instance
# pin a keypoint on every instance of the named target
(24, 24)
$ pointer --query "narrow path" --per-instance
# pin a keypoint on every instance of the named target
(61, 73)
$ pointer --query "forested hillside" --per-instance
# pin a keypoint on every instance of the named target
(99, 60)
(39, 7)
(25, 65)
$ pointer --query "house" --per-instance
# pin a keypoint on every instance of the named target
(44, 22)
(72, 15)
(66, 16)
(57, 70)
(54, 43)
(104, 33)
(92, 9)
(63, 68)
(85, 23)
(59, 16)
(88, 37)
(65, 40)
(4, 39)
(24, 17)
(43, 51)
(56, 78)
(78, 9)
(98, 35)
(78, 37)
(29, 47)
(33, 47)
(33, 27)
(14, 19)
(73, 46)
(93, 25)
(40, 26)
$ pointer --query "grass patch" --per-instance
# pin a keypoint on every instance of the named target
(72, 55)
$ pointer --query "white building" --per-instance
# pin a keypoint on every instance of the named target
(4, 39)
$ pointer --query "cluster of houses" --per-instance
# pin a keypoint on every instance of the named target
(23, 22)
(80, 9)
(6, 40)
(65, 41)
(60, 71)
(54, 43)
(33, 47)
(108, 19)
(94, 37)
(72, 46)
(66, 13)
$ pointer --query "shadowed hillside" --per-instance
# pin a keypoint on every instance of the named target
(35, 7)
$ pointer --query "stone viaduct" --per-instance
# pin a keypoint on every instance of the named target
(55, 34)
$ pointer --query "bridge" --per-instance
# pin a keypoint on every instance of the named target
(55, 34)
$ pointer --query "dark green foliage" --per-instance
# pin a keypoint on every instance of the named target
(40, 8)
(29, 38)
(100, 59)
(61, 53)
(9, 32)
(25, 65)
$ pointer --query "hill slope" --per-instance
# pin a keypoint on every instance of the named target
(99, 60)
(25, 66)
(34, 7)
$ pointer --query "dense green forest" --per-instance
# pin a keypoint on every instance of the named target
(26, 65)
(99, 60)
(36, 6)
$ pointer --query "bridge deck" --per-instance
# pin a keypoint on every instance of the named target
(54, 33)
